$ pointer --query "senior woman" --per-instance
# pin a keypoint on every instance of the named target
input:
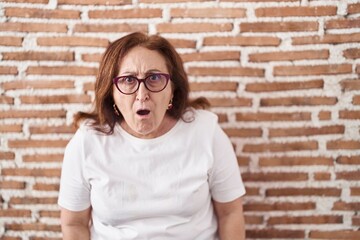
(147, 163)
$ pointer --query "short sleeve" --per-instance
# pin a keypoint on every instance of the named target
(74, 193)
(224, 179)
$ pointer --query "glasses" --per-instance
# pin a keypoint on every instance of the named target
(155, 82)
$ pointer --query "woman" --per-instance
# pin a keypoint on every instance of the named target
(145, 164)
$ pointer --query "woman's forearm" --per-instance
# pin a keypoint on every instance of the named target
(231, 227)
(75, 232)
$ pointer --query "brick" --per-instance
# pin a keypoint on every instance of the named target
(49, 214)
(226, 71)
(280, 147)
(356, 100)
(295, 161)
(89, 86)
(27, 1)
(6, 128)
(352, 53)
(55, 99)
(61, 70)
(11, 41)
(306, 131)
(327, 39)
(343, 144)
(243, 161)
(33, 27)
(349, 176)
(284, 86)
(254, 219)
(337, 234)
(353, 8)
(7, 237)
(357, 69)
(94, 57)
(322, 176)
(243, 132)
(182, 43)
(296, 11)
(252, 191)
(6, 100)
(37, 143)
(44, 238)
(38, 84)
(73, 41)
(222, 117)
(46, 187)
(230, 102)
(15, 213)
(323, 219)
(324, 115)
(39, 56)
(272, 116)
(42, 13)
(43, 158)
(7, 155)
(51, 129)
(121, 27)
(355, 220)
(279, 206)
(289, 55)
(126, 13)
(279, 27)
(208, 12)
(211, 56)
(348, 160)
(32, 200)
(33, 114)
(330, 69)
(273, 177)
(94, 2)
(5, 70)
(275, 233)
(298, 101)
(346, 206)
(12, 185)
(214, 86)
(32, 227)
(242, 41)
(342, 23)
(348, 114)
(324, 192)
(193, 27)
(355, 191)
(33, 172)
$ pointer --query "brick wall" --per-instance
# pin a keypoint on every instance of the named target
(283, 76)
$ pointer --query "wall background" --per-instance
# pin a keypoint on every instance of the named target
(283, 76)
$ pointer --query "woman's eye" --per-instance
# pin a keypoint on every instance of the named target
(129, 79)
(155, 77)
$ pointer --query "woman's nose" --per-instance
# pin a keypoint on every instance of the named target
(142, 93)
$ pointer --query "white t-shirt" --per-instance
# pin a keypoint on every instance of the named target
(158, 188)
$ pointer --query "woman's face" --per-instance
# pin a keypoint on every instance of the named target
(144, 112)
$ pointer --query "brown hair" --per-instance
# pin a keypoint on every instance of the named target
(103, 116)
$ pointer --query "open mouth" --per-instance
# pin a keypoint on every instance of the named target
(143, 112)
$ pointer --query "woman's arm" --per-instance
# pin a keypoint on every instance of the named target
(75, 225)
(230, 220)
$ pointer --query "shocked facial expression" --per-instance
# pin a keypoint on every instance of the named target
(144, 111)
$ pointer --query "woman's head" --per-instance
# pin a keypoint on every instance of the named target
(112, 63)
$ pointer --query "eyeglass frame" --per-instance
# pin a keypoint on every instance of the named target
(141, 80)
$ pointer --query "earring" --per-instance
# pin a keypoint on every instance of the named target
(116, 110)
(170, 106)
